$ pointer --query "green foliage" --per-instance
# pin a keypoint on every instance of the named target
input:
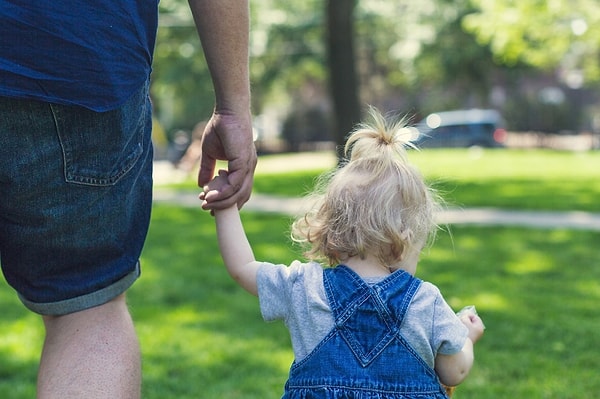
(423, 56)
(287, 44)
(288, 60)
(544, 34)
(181, 85)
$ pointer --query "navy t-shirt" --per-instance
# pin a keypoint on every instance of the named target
(89, 53)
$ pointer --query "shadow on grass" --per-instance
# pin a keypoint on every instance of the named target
(537, 291)
(202, 335)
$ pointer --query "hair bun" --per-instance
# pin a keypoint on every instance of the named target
(378, 135)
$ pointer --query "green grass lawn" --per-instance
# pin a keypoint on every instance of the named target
(517, 179)
(203, 337)
(537, 291)
(504, 178)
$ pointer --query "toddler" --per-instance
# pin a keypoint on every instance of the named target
(363, 326)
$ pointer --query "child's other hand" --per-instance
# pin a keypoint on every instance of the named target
(474, 325)
(214, 187)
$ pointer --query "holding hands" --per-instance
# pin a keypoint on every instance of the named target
(227, 137)
(214, 187)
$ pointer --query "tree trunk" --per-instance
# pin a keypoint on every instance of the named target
(343, 84)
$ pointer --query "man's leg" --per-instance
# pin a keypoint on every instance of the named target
(91, 354)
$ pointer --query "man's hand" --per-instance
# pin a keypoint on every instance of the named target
(228, 137)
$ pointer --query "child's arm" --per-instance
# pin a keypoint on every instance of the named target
(453, 369)
(234, 246)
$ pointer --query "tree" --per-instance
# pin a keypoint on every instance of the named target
(410, 56)
(342, 71)
(454, 71)
(544, 34)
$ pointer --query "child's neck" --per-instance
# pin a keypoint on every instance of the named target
(371, 267)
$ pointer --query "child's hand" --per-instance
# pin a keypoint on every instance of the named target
(468, 315)
(474, 325)
(214, 187)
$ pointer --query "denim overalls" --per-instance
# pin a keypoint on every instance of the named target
(364, 356)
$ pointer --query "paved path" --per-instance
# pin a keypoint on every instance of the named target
(293, 206)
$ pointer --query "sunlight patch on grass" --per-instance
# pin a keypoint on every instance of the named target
(489, 301)
(484, 302)
(190, 353)
(15, 333)
(271, 251)
(530, 263)
(589, 288)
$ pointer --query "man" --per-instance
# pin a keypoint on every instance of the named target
(76, 169)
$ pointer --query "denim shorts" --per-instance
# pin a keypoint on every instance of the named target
(76, 195)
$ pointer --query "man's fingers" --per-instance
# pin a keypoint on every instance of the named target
(229, 195)
(207, 170)
(220, 199)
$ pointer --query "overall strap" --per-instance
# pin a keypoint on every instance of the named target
(368, 317)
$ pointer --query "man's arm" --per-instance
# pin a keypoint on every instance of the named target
(223, 27)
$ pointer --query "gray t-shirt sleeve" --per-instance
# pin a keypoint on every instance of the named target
(296, 295)
(450, 333)
(440, 325)
(431, 326)
(273, 284)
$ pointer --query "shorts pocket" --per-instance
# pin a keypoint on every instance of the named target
(99, 148)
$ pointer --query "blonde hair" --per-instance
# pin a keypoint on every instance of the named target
(375, 203)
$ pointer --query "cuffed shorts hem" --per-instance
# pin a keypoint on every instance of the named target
(84, 302)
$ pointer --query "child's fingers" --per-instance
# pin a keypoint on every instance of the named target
(475, 326)
(213, 188)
